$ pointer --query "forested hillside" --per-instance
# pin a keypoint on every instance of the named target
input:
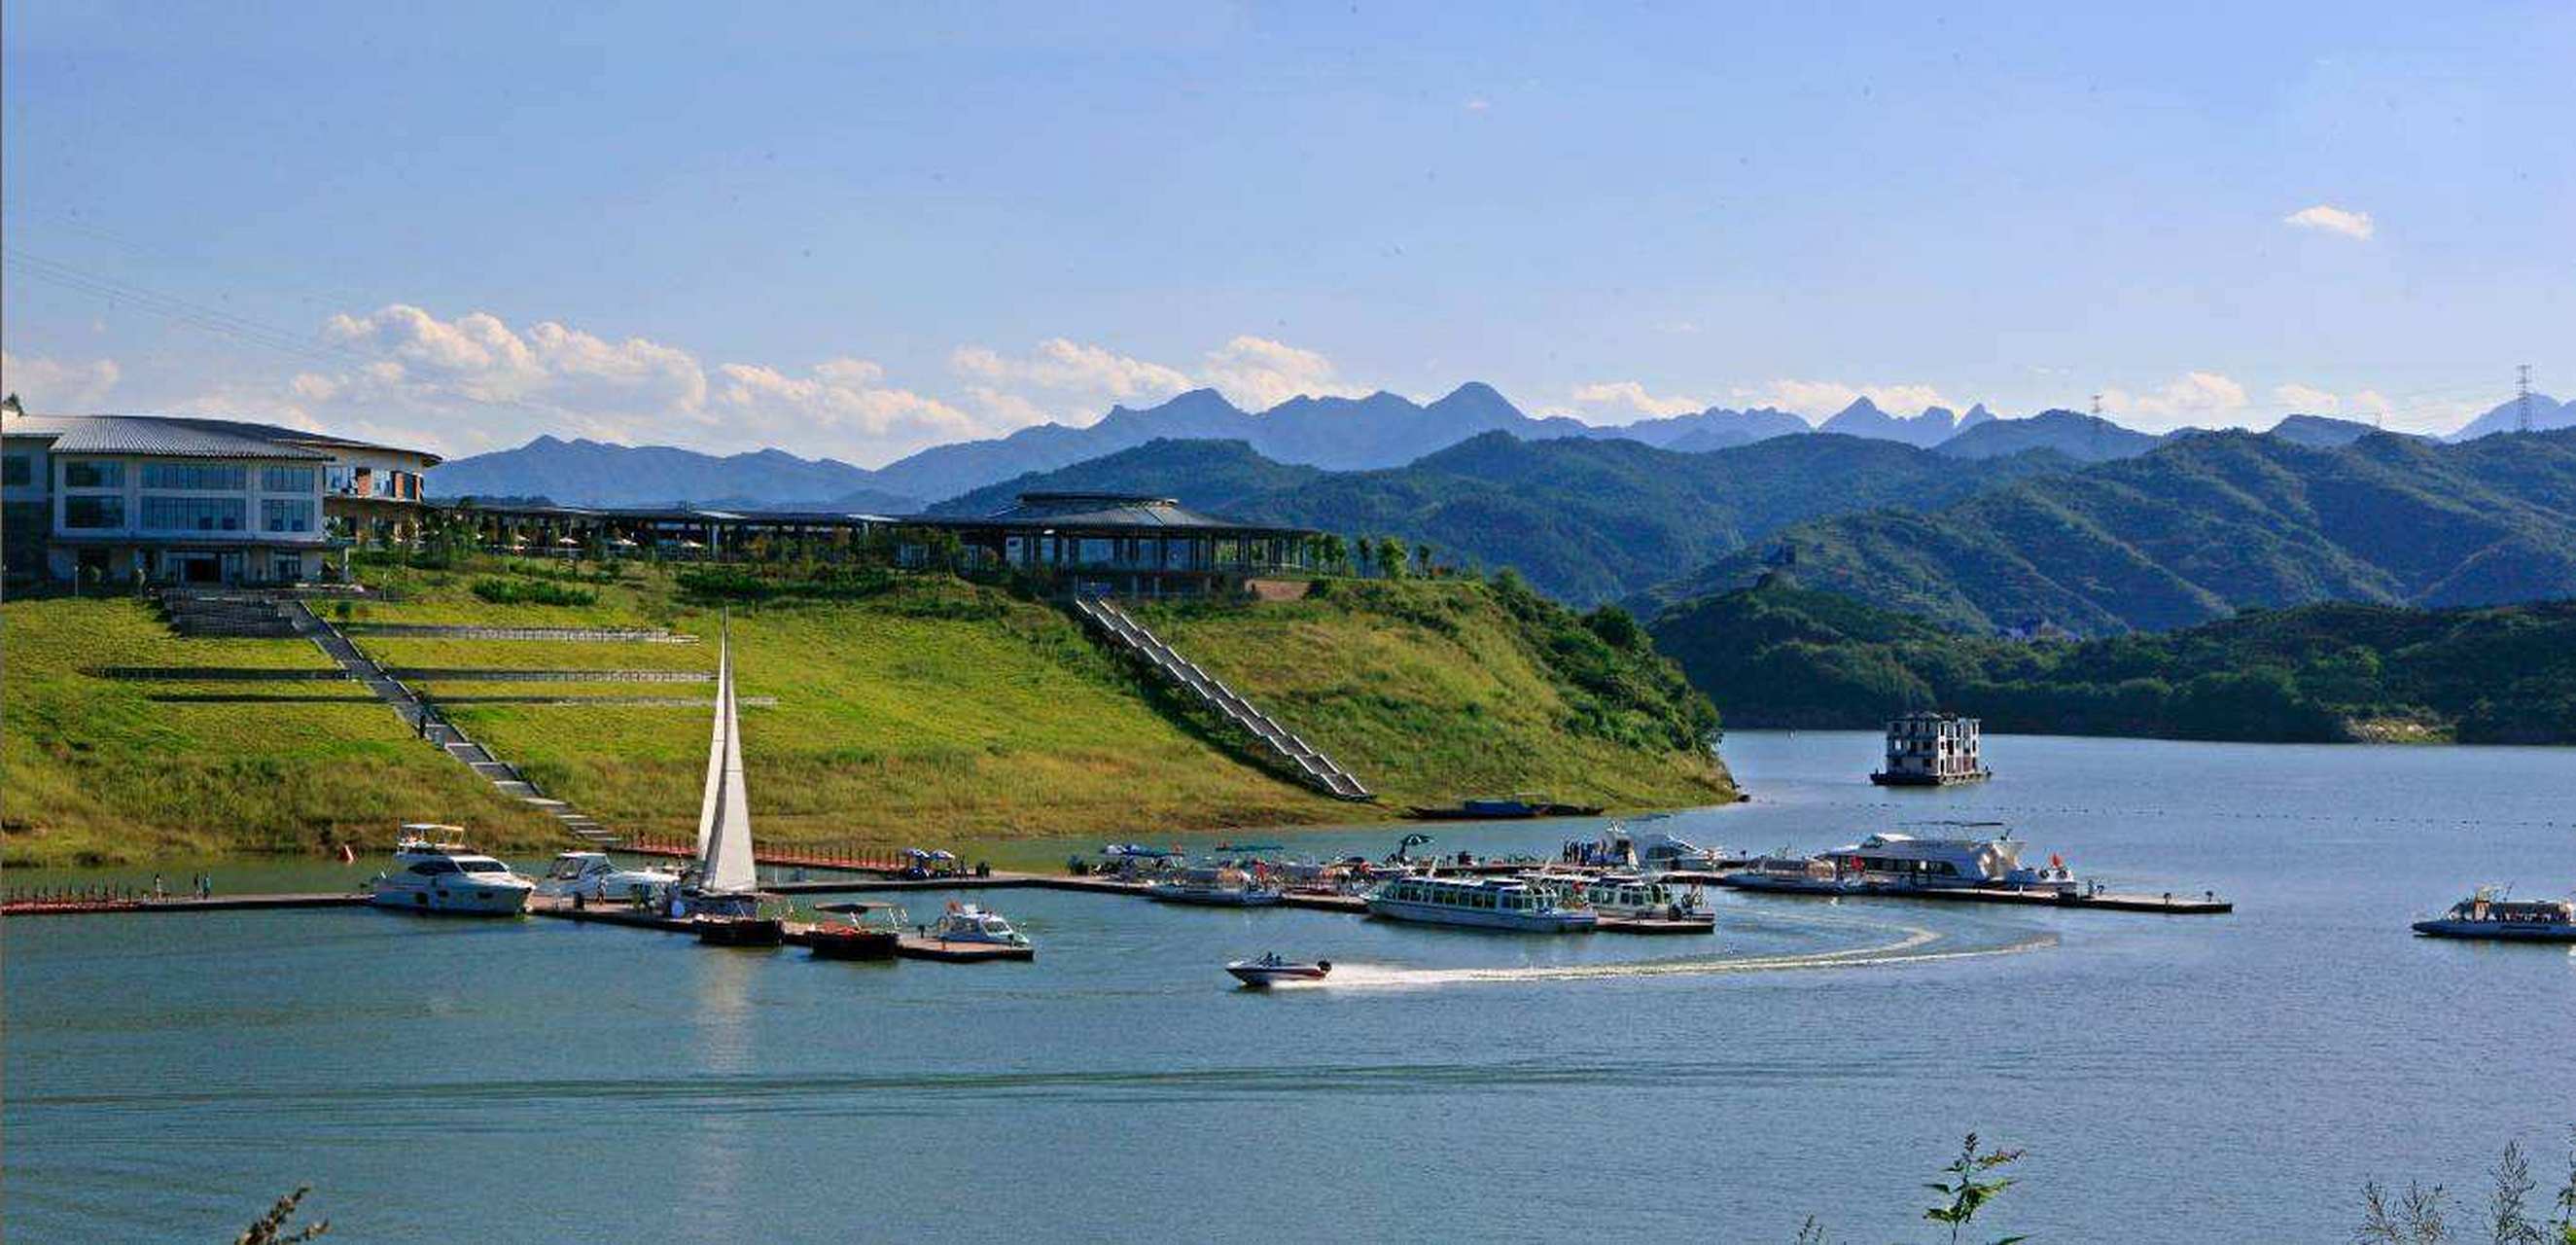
(1778, 655)
(2200, 527)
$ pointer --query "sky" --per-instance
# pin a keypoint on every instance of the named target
(859, 230)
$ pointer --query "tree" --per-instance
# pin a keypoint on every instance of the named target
(1391, 557)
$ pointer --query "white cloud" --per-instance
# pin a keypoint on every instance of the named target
(1079, 381)
(1633, 396)
(2307, 399)
(475, 382)
(1256, 373)
(2195, 397)
(55, 386)
(2351, 224)
(1819, 398)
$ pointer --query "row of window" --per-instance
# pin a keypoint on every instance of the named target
(200, 477)
(188, 514)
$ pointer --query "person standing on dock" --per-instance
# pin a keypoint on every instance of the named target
(159, 892)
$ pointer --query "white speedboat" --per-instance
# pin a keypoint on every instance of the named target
(1270, 970)
(435, 872)
(592, 875)
(1622, 845)
(1488, 903)
(968, 923)
(2488, 914)
(1900, 862)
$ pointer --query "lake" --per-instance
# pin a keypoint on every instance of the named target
(2172, 1078)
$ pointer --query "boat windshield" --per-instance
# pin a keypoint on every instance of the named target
(473, 864)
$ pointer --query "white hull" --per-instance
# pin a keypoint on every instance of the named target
(470, 899)
(1214, 898)
(1481, 918)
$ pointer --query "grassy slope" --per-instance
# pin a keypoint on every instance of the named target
(94, 769)
(1428, 691)
(932, 712)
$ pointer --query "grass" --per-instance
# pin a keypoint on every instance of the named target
(93, 771)
(1428, 691)
(932, 712)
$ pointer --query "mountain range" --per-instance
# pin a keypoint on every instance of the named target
(2201, 525)
(1379, 431)
(1584, 519)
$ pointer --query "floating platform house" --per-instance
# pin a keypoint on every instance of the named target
(1931, 750)
(1094, 544)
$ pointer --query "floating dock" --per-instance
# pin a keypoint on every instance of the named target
(2165, 904)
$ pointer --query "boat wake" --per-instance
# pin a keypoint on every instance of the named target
(1914, 944)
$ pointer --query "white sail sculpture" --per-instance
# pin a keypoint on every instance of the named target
(724, 815)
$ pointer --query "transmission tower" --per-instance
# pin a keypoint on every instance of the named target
(2522, 399)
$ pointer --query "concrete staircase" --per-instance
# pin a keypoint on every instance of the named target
(433, 726)
(209, 612)
(1320, 771)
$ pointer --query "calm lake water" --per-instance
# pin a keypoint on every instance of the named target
(2207, 1078)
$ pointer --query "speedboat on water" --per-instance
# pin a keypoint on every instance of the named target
(1901, 862)
(1270, 970)
(435, 872)
(968, 923)
(2488, 914)
(592, 875)
(1488, 903)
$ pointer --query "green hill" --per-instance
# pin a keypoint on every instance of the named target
(1585, 520)
(2204, 525)
(913, 709)
(1778, 655)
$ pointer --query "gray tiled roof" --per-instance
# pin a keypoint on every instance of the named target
(152, 435)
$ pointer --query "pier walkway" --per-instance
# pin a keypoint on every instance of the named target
(1319, 770)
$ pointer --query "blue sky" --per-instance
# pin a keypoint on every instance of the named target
(855, 230)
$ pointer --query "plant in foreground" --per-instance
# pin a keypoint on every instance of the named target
(271, 1229)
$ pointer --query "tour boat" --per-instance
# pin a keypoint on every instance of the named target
(1903, 862)
(856, 937)
(592, 875)
(433, 872)
(2488, 914)
(1491, 903)
(968, 923)
(1635, 896)
(722, 897)
(1220, 888)
(1271, 969)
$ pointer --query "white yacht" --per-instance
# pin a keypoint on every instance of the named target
(1904, 862)
(722, 898)
(968, 923)
(1491, 903)
(592, 875)
(435, 872)
(1622, 845)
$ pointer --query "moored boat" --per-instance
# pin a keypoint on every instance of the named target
(1219, 888)
(1487, 903)
(1901, 862)
(856, 936)
(1271, 969)
(1797, 875)
(1637, 897)
(964, 922)
(593, 875)
(435, 872)
(2488, 914)
(1519, 806)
